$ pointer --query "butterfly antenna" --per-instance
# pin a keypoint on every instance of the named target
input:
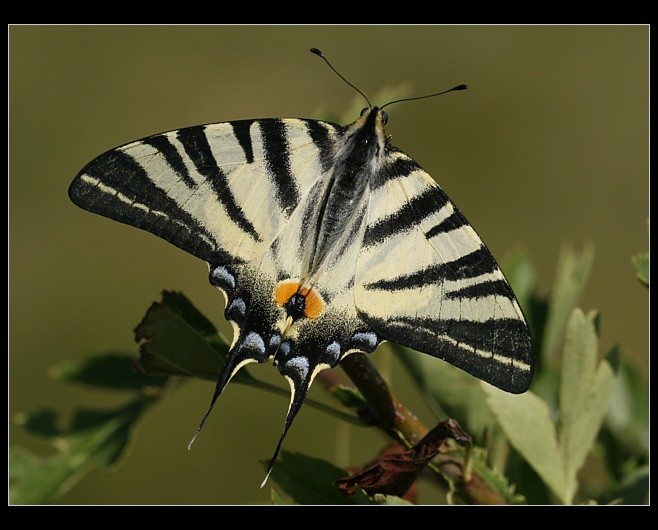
(321, 55)
(458, 87)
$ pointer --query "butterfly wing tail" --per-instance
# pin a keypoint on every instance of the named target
(236, 359)
(300, 375)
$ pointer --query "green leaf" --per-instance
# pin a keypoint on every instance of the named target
(94, 439)
(111, 370)
(171, 344)
(628, 409)
(184, 308)
(496, 481)
(571, 276)
(275, 497)
(309, 480)
(521, 275)
(379, 498)
(641, 264)
(584, 395)
(585, 386)
(40, 423)
(451, 392)
(348, 396)
(527, 424)
(633, 490)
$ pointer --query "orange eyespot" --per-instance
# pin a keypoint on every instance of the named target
(313, 302)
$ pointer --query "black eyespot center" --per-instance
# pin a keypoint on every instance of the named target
(296, 305)
(384, 117)
(363, 111)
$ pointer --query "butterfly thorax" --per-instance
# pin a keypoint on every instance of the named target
(341, 201)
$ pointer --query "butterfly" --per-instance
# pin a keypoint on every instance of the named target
(324, 239)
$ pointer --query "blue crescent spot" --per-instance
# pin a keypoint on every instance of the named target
(367, 338)
(239, 306)
(253, 341)
(334, 350)
(223, 276)
(275, 341)
(300, 365)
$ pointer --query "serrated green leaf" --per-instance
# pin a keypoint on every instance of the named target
(585, 386)
(633, 490)
(584, 395)
(94, 439)
(40, 423)
(521, 275)
(348, 396)
(628, 409)
(309, 480)
(111, 370)
(184, 308)
(37, 480)
(450, 391)
(275, 498)
(579, 361)
(496, 482)
(570, 278)
(172, 345)
(641, 264)
(527, 424)
(379, 498)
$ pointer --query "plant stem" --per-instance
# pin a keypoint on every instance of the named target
(392, 416)
(389, 413)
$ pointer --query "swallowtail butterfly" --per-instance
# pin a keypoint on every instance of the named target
(324, 239)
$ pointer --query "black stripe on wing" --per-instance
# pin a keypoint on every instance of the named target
(477, 263)
(399, 167)
(197, 148)
(503, 355)
(482, 289)
(452, 222)
(319, 133)
(162, 143)
(242, 132)
(277, 160)
(116, 186)
(412, 213)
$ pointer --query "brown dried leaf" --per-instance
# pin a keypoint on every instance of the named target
(395, 473)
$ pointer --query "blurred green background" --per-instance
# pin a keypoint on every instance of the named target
(549, 146)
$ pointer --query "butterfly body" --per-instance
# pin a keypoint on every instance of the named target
(324, 239)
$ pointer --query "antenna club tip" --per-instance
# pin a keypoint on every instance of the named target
(461, 87)
(316, 51)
